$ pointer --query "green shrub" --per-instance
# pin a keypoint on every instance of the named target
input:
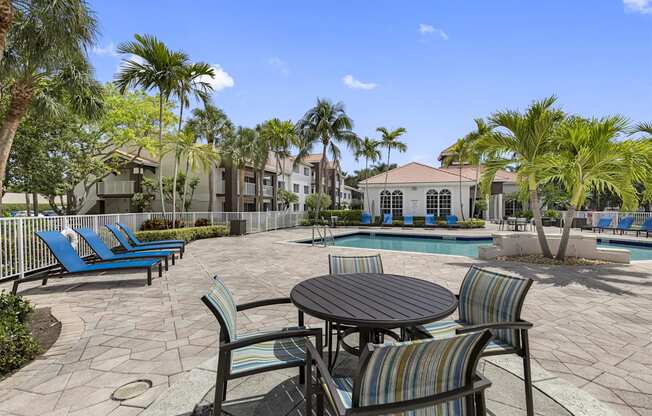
(17, 346)
(202, 222)
(159, 224)
(551, 213)
(472, 223)
(186, 234)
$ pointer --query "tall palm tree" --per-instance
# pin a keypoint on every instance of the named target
(328, 124)
(211, 124)
(389, 140)
(459, 153)
(191, 82)
(237, 152)
(45, 64)
(151, 65)
(476, 154)
(197, 156)
(588, 157)
(6, 19)
(369, 150)
(523, 140)
(280, 135)
(260, 149)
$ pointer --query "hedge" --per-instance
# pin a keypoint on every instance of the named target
(186, 234)
(17, 346)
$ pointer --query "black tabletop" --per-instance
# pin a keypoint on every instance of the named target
(373, 300)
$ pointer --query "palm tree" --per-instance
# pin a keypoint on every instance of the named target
(6, 19)
(587, 157)
(459, 153)
(280, 135)
(476, 153)
(197, 155)
(45, 64)
(389, 140)
(212, 125)
(237, 151)
(523, 140)
(192, 81)
(260, 149)
(369, 150)
(151, 66)
(328, 124)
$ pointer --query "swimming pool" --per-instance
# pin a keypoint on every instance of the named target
(456, 245)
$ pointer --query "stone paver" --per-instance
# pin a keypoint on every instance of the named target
(593, 325)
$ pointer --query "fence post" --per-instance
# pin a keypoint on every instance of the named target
(21, 248)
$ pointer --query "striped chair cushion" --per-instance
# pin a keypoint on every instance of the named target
(487, 297)
(223, 303)
(355, 264)
(411, 370)
(268, 354)
(344, 387)
(446, 329)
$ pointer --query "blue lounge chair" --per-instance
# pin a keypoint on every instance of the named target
(105, 254)
(70, 261)
(451, 221)
(646, 227)
(365, 218)
(408, 220)
(387, 219)
(625, 224)
(430, 220)
(603, 224)
(129, 248)
(136, 242)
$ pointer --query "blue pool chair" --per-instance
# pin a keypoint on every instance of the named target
(646, 227)
(365, 218)
(128, 247)
(408, 220)
(430, 220)
(625, 224)
(71, 263)
(105, 254)
(136, 242)
(451, 221)
(603, 224)
(387, 219)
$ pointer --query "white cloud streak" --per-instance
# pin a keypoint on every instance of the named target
(221, 80)
(108, 50)
(279, 65)
(638, 6)
(427, 30)
(355, 84)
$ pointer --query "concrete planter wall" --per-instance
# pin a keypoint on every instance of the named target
(526, 243)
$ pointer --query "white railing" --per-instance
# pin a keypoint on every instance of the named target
(22, 252)
(116, 188)
(592, 217)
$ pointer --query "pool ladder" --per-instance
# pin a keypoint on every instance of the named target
(323, 234)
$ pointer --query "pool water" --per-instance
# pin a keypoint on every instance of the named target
(459, 246)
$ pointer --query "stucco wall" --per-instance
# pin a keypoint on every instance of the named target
(414, 197)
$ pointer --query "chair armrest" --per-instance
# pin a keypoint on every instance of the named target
(270, 336)
(264, 302)
(324, 371)
(497, 325)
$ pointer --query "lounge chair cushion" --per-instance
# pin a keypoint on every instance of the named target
(120, 265)
(387, 219)
(430, 219)
(268, 354)
(105, 253)
(365, 218)
(135, 240)
(127, 246)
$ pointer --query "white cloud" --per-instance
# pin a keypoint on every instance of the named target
(638, 6)
(108, 50)
(355, 84)
(280, 65)
(426, 30)
(221, 80)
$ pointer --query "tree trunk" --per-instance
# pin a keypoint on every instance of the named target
(27, 209)
(211, 182)
(475, 190)
(185, 188)
(21, 96)
(536, 211)
(565, 235)
(322, 164)
(241, 172)
(6, 19)
(176, 169)
(366, 187)
(461, 198)
(35, 203)
(160, 156)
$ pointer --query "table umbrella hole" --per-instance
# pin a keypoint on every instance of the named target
(131, 390)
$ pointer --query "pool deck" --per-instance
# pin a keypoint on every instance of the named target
(593, 324)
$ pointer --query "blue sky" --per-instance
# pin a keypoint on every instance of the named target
(428, 66)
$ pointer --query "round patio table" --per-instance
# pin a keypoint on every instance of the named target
(373, 301)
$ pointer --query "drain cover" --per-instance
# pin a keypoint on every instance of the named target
(131, 390)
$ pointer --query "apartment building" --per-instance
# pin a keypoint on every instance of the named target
(333, 181)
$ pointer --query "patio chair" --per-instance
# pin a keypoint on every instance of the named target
(242, 355)
(387, 219)
(408, 221)
(124, 243)
(489, 300)
(646, 227)
(451, 221)
(425, 377)
(105, 254)
(136, 242)
(365, 218)
(624, 224)
(429, 220)
(71, 263)
(603, 224)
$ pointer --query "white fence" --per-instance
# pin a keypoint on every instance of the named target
(592, 217)
(21, 252)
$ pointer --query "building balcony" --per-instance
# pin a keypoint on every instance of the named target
(268, 190)
(116, 188)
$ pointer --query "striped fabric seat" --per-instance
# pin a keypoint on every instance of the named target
(447, 328)
(344, 387)
(355, 264)
(268, 354)
(224, 306)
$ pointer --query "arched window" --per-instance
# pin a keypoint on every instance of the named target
(397, 204)
(385, 202)
(444, 203)
(432, 202)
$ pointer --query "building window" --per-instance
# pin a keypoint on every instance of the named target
(397, 204)
(295, 188)
(306, 189)
(385, 202)
(444, 203)
(305, 207)
(295, 207)
(281, 185)
(432, 202)
(306, 171)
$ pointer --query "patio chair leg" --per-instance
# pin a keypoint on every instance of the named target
(149, 276)
(160, 269)
(480, 406)
(527, 374)
(308, 385)
(220, 383)
(173, 258)
(166, 264)
(302, 375)
(181, 253)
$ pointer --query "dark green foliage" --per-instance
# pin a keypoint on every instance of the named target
(159, 224)
(186, 234)
(17, 346)
(202, 222)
